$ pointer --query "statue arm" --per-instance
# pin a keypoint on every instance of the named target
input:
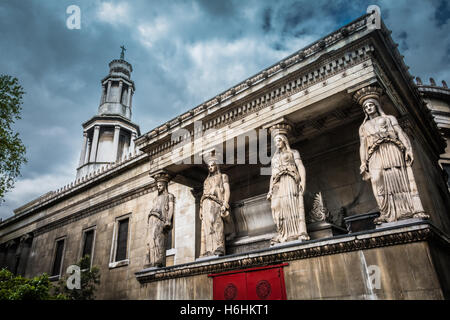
(226, 187)
(362, 150)
(168, 223)
(301, 171)
(269, 194)
(225, 208)
(404, 140)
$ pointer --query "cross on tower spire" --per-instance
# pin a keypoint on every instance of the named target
(122, 54)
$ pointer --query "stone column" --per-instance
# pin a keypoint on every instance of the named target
(197, 192)
(129, 97)
(102, 99)
(108, 91)
(116, 142)
(130, 92)
(131, 101)
(10, 260)
(94, 144)
(83, 150)
(287, 186)
(23, 254)
(387, 161)
(120, 92)
(88, 151)
(132, 146)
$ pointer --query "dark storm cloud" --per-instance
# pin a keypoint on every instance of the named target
(442, 13)
(182, 52)
(267, 16)
(218, 8)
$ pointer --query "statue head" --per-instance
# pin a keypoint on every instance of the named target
(371, 107)
(213, 166)
(161, 186)
(162, 180)
(369, 99)
(280, 132)
(281, 141)
(212, 161)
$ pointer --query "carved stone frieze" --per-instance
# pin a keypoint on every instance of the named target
(297, 252)
(313, 74)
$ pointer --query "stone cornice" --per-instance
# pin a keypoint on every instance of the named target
(109, 203)
(404, 87)
(99, 118)
(306, 54)
(115, 77)
(53, 197)
(429, 131)
(121, 61)
(300, 80)
(80, 214)
(421, 231)
(434, 92)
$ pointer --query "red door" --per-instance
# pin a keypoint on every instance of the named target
(230, 287)
(263, 283)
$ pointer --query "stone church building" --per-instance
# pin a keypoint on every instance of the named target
(351, 252)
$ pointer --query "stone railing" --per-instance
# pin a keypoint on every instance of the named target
(80, 182)
(432, 83)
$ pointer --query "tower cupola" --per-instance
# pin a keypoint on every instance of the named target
(117, 89)
(110, 135)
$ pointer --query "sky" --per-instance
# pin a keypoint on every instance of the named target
(183, 53)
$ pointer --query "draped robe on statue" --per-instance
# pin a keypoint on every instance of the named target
(287, 202)
(213, 237)
(157, 233)
(388, 170)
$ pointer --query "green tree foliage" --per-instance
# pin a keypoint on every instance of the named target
(89, 279)
(19, 288)
(12, 150)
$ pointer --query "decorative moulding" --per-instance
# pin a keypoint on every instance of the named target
(340, 244)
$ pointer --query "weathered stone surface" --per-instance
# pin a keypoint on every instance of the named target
(331, 269)
(159, 222)
(386, 159)
(214, 209)
(312, 89)
(287, 185)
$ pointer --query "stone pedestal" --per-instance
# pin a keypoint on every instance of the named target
(361, 222)
(207, 258)
(397, 223)
(149, 267)
(249, 243)
(322, 229)
(323, 269)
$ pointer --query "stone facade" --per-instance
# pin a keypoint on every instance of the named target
(313, 91)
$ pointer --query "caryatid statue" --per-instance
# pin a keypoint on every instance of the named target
(159, 222)
(386, 159)
(287, 185)
(214, 209)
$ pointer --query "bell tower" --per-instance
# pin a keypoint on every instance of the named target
(110, 134)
